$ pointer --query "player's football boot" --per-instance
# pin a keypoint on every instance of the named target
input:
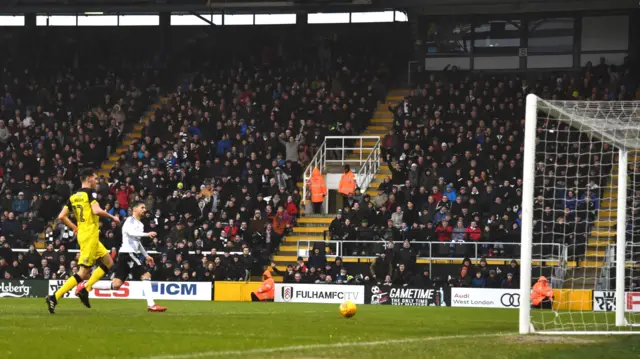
(51, 303)
(156, 308)
(83, 294)
(80, 287)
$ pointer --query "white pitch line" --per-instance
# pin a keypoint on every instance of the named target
(208, 354)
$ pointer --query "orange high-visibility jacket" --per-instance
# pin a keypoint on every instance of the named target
(347, 184)
(317, 186)
(540, 291)
(268, 288)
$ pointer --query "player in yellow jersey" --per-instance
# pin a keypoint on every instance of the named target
(84, 205)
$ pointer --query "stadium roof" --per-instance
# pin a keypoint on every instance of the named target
(425, 6)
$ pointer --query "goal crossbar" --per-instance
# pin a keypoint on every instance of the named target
(617, 123)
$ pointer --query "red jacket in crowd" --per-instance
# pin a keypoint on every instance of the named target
(473, 234)
(123, 194)
(292, 209)
(444, 233)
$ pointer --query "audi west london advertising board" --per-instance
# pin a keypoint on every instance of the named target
(485, 298)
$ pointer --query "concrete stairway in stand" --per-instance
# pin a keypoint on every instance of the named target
(381, 123)
(309, 228)
(603, 234)
(128, 139)
(312, 227)
(382, 120)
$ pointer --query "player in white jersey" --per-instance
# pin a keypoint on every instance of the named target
(129, 258)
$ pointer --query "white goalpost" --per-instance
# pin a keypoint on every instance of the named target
(580, 228)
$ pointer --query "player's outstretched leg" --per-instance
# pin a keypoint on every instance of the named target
(105, 264)
(51, 303)
(103, 285)
(146, 288)
(52, 300)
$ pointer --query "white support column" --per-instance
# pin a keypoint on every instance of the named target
(621, 227)
(531, 118)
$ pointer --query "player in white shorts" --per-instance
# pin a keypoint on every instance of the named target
(129, 258)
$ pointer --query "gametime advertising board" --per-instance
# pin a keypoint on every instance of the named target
(404, 295)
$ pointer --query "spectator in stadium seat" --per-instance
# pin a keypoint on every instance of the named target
(235, 270)
(406, 255)
(380, 268)
(465, 278)
(34, 273)
(281, 221)
(473, 232)
(509, 282)
(443, 232)
(248, 262)
(483, 268)
(117, 210)
(317, 259)
(402, 276)
(301, 266)
(458, 233)
(337, 227)
(492, 281)
(397, 216)
(514, 268)
(343, 277)
(220, 270)
(20, 204)
(478, 281)
(364, 233)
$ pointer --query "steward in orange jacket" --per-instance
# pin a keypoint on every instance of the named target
(347, 184)
(318, 190)
(542, 294)
(266, 291)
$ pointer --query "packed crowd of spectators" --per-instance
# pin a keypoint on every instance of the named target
(455, 153)
(398, 267)
(217, 165)
(52, 125)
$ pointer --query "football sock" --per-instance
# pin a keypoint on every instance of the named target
(103, 285)
(146, 288)
(68, 285)
(97, 274)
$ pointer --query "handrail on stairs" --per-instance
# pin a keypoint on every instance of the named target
(369, 165)
(369, 168)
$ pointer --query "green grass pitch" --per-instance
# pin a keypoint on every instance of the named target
(123, 329)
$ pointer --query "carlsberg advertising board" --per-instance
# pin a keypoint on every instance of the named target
(23, 288)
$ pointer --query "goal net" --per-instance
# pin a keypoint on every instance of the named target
(581, 193)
